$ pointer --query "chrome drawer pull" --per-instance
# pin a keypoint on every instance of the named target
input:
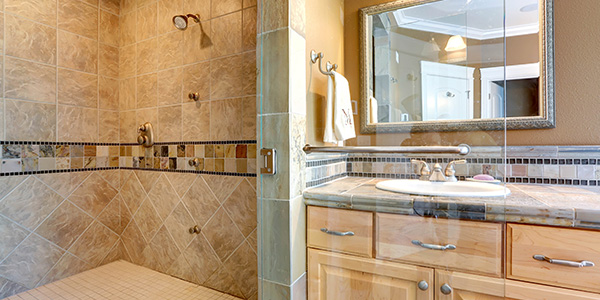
(434, 247)
(562, 262)
(338, 233)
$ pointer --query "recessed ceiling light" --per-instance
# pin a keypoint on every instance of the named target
(529, 7)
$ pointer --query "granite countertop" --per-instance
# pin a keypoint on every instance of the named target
(558, 205)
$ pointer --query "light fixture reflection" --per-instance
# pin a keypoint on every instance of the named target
(455, 43)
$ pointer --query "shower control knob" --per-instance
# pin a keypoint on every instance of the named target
(195, 230)
(142, 139)
(194, 96)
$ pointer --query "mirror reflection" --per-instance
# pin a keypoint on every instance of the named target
(445, 60)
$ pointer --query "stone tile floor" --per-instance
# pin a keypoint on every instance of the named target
(121, 280)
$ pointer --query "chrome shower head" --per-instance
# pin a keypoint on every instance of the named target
(181, 21)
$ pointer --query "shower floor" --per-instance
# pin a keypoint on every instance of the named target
(121, 280)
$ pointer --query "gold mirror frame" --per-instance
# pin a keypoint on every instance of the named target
(547, 119)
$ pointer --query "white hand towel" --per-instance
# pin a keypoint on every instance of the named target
(373, 110)
(339, 120)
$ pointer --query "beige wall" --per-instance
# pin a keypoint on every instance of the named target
(576, 62)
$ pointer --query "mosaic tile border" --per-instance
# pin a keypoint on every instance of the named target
(229, 158)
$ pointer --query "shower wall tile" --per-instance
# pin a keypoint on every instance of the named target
(108, 93)
(77, 88)
(127, 61)
(249, 29)
(278, 12)
(128, 5)
(128, 130)
(170, 88)
(77, 124)
(249, 3)
(77, 52)
(108, 61)
(109, 28)
(197, 43)
(169, 123)
(275, 54)
(64, 225)
(77, 18)
(226, 33)
(166, 10)
(147, 56)
(128, 26)
(196, 117)
(219, 8)
(146, 20)
(108, 127)
(30, 81)
(43, 11)
(196, 79)
(113, 6)
(39, 119)
(227, 77)
(147, 90)
(170, 50)
(249, 75)
(201, 7)
(127, 94)
(29, 40)
(225, 119)
(249, 117)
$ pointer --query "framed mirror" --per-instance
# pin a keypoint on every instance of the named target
(456, 65)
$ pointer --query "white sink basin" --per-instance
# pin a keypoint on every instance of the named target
(446, 189)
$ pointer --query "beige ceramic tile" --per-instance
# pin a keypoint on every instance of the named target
(141, 3)
(196, 79)
(2, 33)
(222, 234)
(108, 126)
(94, 244)
(298, 15)
(197, 43)
(219, 8)
(109, 28)
(201, 257)
(68, 265)
(12, 235)
(165, 248)
(181, 182)
(182, 269)
(277, 10)
(77, 52)
(249, 118)
(113, 6)
(170, 50)
(91, 2)
(63, 183)
(108, 64)
(133, 193)
(147, 219)
(30, 81)
(166, 10)
(249, 73)
(43, 11)
(128, 127)
(64, 225)
(134, 242)
(221, 186)
(201, 7)
(170, 86)
(226, 34)
(163, 196)
(108, 93)
(147, 90)
(111, 215)
(127, 94)
(77, 18)
(93, 195)
(146, 21)
(221, 280)
(242, 266)
(147, 56)
(77, 88)
(128, 5)
(225, 119)
(196, 117)
(128, 27)
(275, 56)
(146, 115)
(248, 3)
(76, 124)
(40, 119)
(178, 224)
(241, 206)
(30, 40)
(127, 61)
(249, 29)
(147, 179)
(200, 201)
(226, 76)
(169, 124)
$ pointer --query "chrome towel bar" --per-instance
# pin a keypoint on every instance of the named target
(462, 149)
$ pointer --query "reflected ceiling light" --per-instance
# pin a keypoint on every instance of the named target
(431, 47)
(455, 43)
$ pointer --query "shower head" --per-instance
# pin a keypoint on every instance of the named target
(181, 21)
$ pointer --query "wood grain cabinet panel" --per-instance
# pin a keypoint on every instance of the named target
(525, 241)
(335, 276)
(467, 286)
(359, 223)
(478, 244)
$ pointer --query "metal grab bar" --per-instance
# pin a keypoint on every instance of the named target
(462, 149)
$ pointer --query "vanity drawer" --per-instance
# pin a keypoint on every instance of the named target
(340, 230)
(574, 245)
(477, 245)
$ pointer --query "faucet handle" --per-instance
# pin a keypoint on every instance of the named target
(450, 171)
(424, 170)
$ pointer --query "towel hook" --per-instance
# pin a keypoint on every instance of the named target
(314, 56)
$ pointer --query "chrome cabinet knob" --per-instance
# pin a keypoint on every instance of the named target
(423, 285)
(446, 289)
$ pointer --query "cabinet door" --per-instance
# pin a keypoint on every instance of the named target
(461, 286)
(517, 290)
(334, 276)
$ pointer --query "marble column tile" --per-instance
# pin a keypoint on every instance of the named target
(127, 61)
(36, 255)
(108, 63)
(196, 117)
(68, 265)
(197, 43)
(222, 234)
(77, 52)
(30, 40)
(12, 235)
(147, 90)
(77, 18)
(275, 74)
(170, 87)
(108, 93)
(277, 12)
(128, 27)
(76, 124)
(94, 244)
(299, 288)
(128, 127)
(201, 258)
(64, 225)
(249, 16)
(222, 281)
(297, 70)
(109, 28)
(242, 266)
(93, 195)
(43, 11)
(113, 6)
(201, 7)
(226, 76)
(241, 206)
(146, 21)
(276, 134)
(77, 88)
(39, 120)
(226, 119)
(170, 50)
(249, 73)
(147, 56)
(226, 33)
(163, 196)
(196, 79)
(275, 244)
(166, 10)
(10, 288)
(30, 81)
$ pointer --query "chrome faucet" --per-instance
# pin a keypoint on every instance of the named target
(437, 175)
(449, 174)
(424, 170)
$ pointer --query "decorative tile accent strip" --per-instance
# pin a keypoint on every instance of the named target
(213, 157)
(325, 168)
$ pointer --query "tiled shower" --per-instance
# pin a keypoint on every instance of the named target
(77, 192)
